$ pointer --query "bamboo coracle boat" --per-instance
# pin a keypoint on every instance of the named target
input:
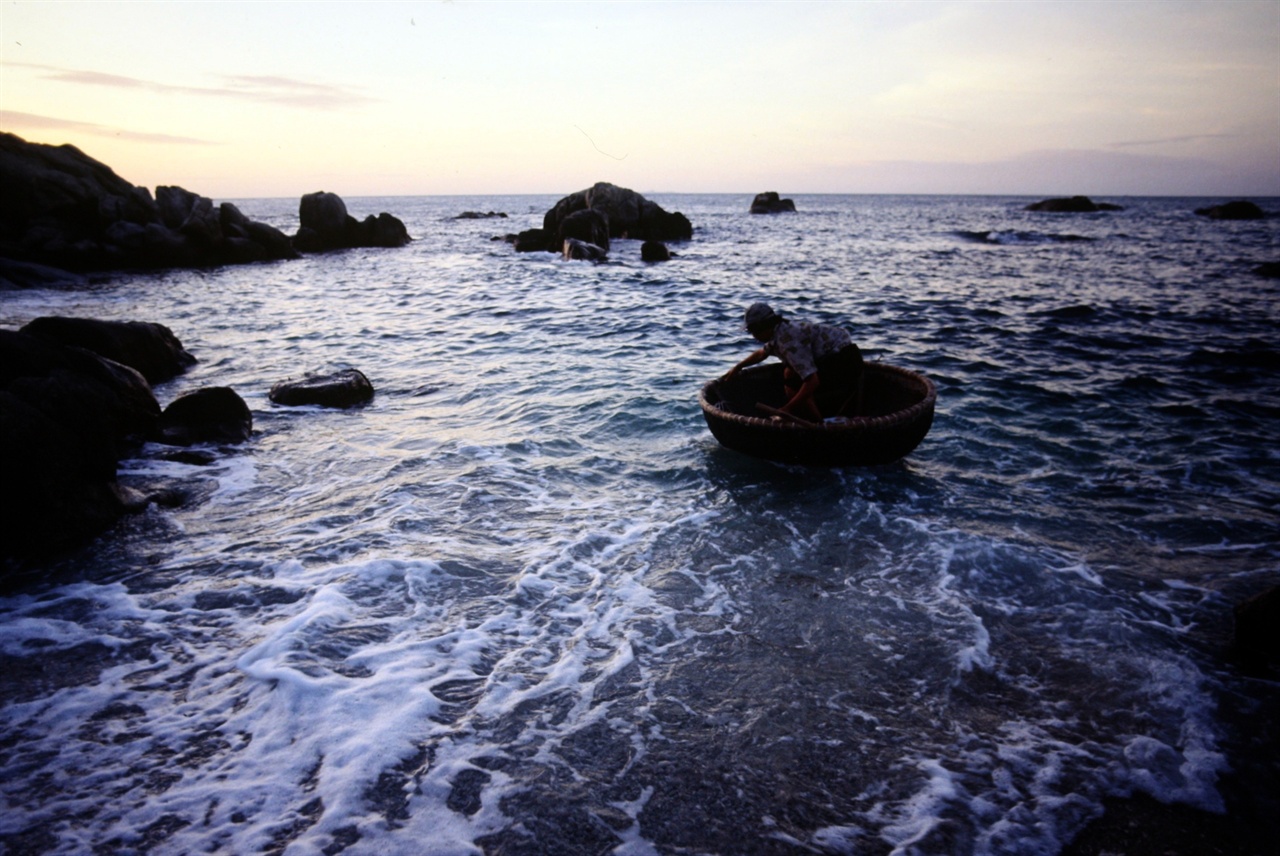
(893, 415)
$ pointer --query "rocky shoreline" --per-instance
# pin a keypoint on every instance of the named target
(64, 215)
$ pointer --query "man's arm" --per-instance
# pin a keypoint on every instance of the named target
(751, 359)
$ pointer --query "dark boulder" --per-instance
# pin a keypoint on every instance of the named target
(66, 418)
(575, 250)
(588, 225)
(324, 224)
(770, 203)
(628, 214)
(346, 388)
(1271, 270)
(147, 347)
(216, 414)
(1237, 210)
(654, 251)
(1072, 205)
(1257, 632)
(65, 210)
(477, 215)
(530, 241)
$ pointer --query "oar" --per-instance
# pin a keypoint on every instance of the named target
(773, 411)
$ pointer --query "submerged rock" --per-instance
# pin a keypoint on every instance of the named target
(1237, 210)
(346, 388)
(770, 203)
(1072, 205)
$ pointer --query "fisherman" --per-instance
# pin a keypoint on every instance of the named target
(823, 365)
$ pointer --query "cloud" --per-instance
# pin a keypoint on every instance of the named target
(263, 89)
(12, 119)
(1186, 138)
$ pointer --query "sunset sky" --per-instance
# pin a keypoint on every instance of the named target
(248, 99)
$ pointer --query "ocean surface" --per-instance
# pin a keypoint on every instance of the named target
(523, 602)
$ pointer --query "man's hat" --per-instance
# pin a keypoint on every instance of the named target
(760, 315)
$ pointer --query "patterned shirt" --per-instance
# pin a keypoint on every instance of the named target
(800, 344)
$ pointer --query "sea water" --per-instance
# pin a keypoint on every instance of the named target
(523, 602)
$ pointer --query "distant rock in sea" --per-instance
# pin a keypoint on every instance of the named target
(476, 215)
(1072, 205)
(324, 225)
(1237, 210)
(616, 213)
(770, 203)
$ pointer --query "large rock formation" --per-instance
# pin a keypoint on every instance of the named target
(63, 209)
(324, 224)
(770, 203)
(625, 213)
(1072, 205)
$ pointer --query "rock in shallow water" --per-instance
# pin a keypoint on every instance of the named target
(346, 388)
(216, 414)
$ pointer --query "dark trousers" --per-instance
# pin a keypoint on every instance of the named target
(839, 376)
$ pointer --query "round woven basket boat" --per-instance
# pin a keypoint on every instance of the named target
(892, 417)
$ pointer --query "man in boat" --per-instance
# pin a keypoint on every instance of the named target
(823, 365)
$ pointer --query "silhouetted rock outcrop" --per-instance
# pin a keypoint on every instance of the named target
(625, 213)
(770, 203)
(1072, 205)
(149, 348)
(67, 415)
(324, 224)
(65, 210)
(1237, 210)
(346, 388)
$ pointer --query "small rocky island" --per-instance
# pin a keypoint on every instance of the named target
(582, 224)
(1072, 205)
(770, 202)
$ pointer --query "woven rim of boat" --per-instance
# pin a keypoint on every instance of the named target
(854, 424)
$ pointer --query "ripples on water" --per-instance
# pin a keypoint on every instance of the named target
(523, 602)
